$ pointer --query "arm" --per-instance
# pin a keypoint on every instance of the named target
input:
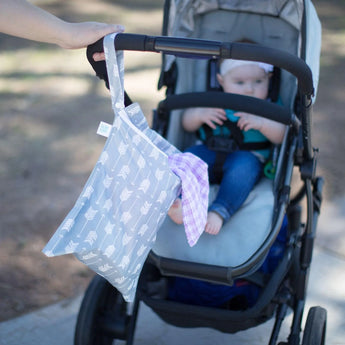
(272, 130)
(22, 19)
(194, 118)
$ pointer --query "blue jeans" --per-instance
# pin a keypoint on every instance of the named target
(241, 171)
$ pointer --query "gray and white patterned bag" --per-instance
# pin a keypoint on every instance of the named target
(113, 224)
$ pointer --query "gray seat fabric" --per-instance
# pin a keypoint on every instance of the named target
(236, 242)
(241, 237)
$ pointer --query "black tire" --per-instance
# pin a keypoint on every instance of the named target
(315, 327)
(100, 300)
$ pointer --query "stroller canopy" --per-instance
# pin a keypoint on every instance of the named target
(182, 12)
(181, 22)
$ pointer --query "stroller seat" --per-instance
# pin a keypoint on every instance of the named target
(237, 241)
(248, 228)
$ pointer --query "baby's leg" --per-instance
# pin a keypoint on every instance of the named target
(241, 172)
(175, 211)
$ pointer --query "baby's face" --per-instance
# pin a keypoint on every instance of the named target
(248, 80)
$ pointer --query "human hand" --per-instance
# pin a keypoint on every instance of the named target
(80, 35)
(212, 116)
(249, 121)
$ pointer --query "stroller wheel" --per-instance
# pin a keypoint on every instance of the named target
(315, 327)
(102, 315)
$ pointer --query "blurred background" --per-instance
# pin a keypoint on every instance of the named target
(50, 107)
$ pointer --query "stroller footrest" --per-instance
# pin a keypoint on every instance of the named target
(228, 321)
(211, 273)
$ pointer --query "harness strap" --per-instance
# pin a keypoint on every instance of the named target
(261, 145)
(218, 166)
(235, 132)
(223, 145)
(232, 142)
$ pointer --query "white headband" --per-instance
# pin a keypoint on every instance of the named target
(229, 64)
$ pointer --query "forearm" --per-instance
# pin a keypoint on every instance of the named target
(22, 19)
(273, 131)
(191, 120)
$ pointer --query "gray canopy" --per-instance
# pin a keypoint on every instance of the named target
(182, 12)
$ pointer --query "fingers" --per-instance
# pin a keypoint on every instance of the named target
(214, 116)
(80, 35)
(98, 57)
(105, 29)
(110, 28)
(242, 121)
(249, 121)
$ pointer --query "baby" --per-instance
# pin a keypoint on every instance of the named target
(241, 169)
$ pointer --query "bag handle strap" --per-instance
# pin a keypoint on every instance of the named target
(115, 70)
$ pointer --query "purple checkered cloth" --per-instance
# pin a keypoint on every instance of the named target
(195, 188)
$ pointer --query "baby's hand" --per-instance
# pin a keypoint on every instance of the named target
(212, 116)
(249, 121)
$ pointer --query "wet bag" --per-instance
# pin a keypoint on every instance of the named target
(114, 222)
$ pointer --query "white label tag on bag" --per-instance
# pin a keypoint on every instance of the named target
(104, 129)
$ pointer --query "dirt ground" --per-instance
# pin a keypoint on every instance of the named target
(50, 107)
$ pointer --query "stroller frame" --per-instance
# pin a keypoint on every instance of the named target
(104, 315)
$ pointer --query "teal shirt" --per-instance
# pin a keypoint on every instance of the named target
(249, 136)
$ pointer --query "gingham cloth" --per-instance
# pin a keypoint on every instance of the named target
(194, 191)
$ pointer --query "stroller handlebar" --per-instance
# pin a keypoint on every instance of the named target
(248, 104)
(198, 48)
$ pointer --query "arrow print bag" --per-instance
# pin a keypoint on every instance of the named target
(114, 222)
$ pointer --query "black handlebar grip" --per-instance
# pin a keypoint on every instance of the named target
(98, 66)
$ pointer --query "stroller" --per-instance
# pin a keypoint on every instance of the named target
(196, 34)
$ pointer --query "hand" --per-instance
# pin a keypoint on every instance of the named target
(91, 33)
(194, 118)
(212, 116)
(80, 35)
(249, 121)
